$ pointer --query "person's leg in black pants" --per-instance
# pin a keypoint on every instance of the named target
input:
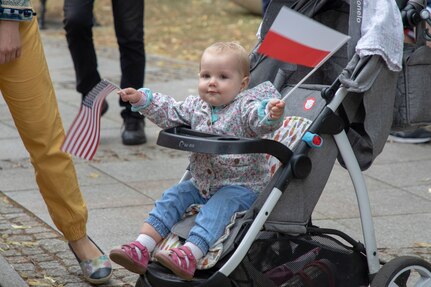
(78, 24)
(129, 29)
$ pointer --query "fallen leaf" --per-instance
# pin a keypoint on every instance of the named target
(94, 175)
(49, 278)
(422, 244)
(29, 244)
(24, 243)
(34, 282)
(14, 226)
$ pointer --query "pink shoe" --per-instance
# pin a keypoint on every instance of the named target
(133, 256)
(179, 260)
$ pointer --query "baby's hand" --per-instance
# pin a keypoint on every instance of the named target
(275, 109)
(130, 95)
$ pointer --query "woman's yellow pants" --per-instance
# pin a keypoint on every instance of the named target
(28, 91)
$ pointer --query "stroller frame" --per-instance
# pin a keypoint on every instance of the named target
(295, 165)
(361, 194)
(199, 142)
(299, 167)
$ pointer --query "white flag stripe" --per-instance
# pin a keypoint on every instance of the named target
(91, 149)
(299, 28)
(89, 141)
(81, 131)
(74, 132)
(94, 130)
(83, 136)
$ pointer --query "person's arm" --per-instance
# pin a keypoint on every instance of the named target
(10, 41)
(161, 109)
(11, 13)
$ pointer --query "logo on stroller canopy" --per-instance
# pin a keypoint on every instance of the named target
(309, 103)
(358, 11)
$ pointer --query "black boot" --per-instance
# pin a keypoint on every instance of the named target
(104, 108)
(133, 131)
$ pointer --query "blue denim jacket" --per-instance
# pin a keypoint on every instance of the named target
(16, 10)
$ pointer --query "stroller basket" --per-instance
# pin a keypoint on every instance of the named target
(279, 258)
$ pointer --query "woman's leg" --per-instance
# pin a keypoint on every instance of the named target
(28, 91)
(26, 85)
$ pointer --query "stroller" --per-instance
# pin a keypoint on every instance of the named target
(275, 243)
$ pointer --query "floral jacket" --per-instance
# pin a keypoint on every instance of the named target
(243, 117)
(16, 10)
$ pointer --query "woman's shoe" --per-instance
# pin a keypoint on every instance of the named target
(97, 270)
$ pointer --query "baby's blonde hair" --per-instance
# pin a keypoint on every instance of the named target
(237, 49)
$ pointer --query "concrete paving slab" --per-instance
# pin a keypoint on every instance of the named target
(12, 148)
(8, 131)
(115, 226)
(8, 276)
(144, 170)
(403, 174)
(153, 188)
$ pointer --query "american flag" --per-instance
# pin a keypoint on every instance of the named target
(83, 137)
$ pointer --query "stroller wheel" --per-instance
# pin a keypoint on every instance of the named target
(404, 271)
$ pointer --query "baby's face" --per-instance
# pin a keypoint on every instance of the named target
(220, 80)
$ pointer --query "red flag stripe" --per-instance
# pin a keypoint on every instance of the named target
(92, 151)
(81, 132)
(95, 131)
(89, 126)
(287, 50)
(74, 131)
(83, 137)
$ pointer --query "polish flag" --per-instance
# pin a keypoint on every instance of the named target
(297, 39)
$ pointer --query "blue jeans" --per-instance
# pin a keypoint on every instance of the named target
(211, 220)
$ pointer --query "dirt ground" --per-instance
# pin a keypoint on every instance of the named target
(177, 29)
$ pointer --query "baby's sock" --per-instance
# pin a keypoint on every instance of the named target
(196, 251)
(147, 241)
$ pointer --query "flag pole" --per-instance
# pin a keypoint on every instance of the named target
(311, 72)
(314, 69)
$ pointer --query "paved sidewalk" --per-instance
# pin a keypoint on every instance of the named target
(121, 183)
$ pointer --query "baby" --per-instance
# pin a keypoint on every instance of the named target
(222, 184)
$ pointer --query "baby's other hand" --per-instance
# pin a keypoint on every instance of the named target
(276, 109)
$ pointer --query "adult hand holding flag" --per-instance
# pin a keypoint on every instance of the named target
(83, 136)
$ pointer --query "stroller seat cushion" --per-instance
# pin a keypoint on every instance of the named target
(180, 231)
(289, 134)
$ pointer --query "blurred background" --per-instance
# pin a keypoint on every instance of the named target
(177, 29)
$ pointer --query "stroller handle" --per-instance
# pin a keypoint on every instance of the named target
(184, 138)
